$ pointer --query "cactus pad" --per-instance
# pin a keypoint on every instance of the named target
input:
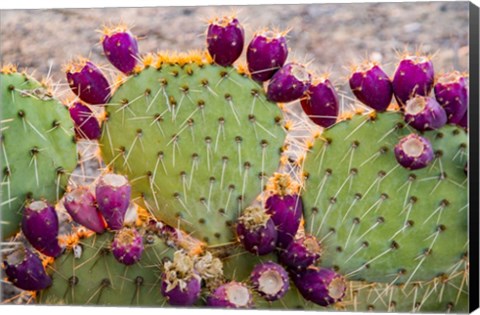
(440, 295)
(38, 149)
(377, 220)
(97, 278)
(197, 142)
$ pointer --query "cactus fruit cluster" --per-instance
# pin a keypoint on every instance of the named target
(200, 202)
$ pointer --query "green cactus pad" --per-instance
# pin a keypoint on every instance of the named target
(38, 148)
(197, 142)
(440, 295)
(377, 220)
(102, 280)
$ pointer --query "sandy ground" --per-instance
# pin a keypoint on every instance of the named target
(330, 36)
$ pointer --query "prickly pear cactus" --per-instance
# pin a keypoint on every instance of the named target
(89, 274)
(377, 220)
(238, 264)
(38, 146)
(197, 141)
(445, 293)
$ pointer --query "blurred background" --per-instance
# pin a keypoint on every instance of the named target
(329, 36)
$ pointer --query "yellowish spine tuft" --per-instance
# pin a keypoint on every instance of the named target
(8, 69)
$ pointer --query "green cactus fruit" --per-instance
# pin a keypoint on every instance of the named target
(38, 147)
(197, 141)
(378, 221)
(89, 274)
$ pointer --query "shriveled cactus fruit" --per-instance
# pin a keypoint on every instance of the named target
(38, 146)
(197, 141)
(377, 220)
(97, 278)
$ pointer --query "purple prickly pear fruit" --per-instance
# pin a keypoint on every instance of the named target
(127, 246)
(266, 53)
(285, 206)
(372, 86)
(231, 295)
(289, 83)
(113, 198)
(181, 284)
(257, 231)
(25, 270)
(321, 286)
(86, 124)
(225, 39)
(80, 204)
(321, 103)
(451, 91)
(40, 227)
(88, 82)
(301, 253)
(414, 152)
(120, 48)
(270, 280)
(424, 113)
(464, 121)
(183, 296)
(414, 76)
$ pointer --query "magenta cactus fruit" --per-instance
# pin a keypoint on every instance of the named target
(25, 270)
(127, 246)
(321, 286)
(231, 295)
(285, 207)
(464, 121)
(183, 296)
(289, 83)
(225, 40)
(424, 113)
(113, 198)
(321, 103)
(372, 86)
(120, 48)
(414, 76)
(266, 53)
(414, 152)
(270, 280)
(40, 227)
(86, 124)
(88, 82)
(301, 253)
(181, 284)
(80, 204)
(257, 231)
(451, 92)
